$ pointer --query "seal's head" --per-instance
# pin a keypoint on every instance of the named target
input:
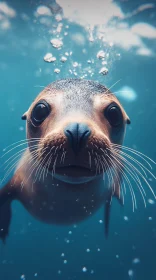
(75, 122)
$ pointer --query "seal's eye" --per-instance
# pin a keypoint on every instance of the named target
(114, 115)
(40, 112)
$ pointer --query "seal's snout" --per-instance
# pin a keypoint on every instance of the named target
(77, 135)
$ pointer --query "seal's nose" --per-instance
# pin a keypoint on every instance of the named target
(77, 135)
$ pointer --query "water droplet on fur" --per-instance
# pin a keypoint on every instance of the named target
(150, 218)
(88, 250)
(100, 221)
(65, 261)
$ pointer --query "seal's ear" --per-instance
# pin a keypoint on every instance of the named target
(24, 117)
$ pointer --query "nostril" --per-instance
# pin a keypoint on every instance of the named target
(77, 135)
(68, 132)
(69, 135)
(85, 135)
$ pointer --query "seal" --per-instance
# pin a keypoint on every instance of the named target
(65, 174)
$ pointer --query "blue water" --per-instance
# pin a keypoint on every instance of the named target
(33, 249)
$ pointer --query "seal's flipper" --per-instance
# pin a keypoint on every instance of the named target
(5, 212)
(5, 218)
(107, 215)
(115, 192)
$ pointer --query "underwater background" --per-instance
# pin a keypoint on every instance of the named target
(113, 42)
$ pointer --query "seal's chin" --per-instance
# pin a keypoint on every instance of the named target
(74, 174)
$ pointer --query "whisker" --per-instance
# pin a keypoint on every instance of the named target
(35, 164)
(121, 167)
(17, 155)
(16, 148)
(139, 154)
(44, 168)
(135, 178)
(144, 179)
(111, 87)
(139, 164)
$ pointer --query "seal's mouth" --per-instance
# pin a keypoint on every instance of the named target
(74, 171)
(74, 174)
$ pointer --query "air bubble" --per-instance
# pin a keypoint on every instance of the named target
(84, 269)
(56, 43)
(126, 218)
(101, 54)
(75, 64)
(103, 71)
(87, 250)
(63, 59)
(57, 71)
(58, 17)
(136, 261)
(49, 57)
(151, 201)
(130, 273)
(104, 62)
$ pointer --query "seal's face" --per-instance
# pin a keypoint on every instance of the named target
(74, 123)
